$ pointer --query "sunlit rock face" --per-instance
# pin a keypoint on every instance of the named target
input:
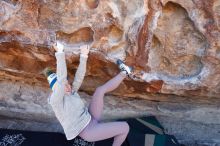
(175, 45)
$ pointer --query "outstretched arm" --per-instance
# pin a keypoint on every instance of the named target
(59, 90)
(80, 73)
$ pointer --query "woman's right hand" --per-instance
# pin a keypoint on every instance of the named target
(58, 47)
(55, 47)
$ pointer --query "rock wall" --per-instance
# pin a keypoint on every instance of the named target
(174, 44)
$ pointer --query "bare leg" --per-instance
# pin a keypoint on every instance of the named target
(96, 104)
(99, 131)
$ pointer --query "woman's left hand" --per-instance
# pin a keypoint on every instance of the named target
(85, 50)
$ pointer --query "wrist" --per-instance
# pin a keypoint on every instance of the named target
(84, 55)
(59, 51)
(60, 47)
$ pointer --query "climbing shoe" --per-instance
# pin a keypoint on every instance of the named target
(124, 68)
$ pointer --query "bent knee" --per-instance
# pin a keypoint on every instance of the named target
(100, 89)
(127, 128)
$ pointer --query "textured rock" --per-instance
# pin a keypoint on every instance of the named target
(174, 41)
(175, 45)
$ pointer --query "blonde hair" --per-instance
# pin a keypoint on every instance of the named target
(48, 71)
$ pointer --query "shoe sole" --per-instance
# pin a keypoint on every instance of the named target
(119, 62)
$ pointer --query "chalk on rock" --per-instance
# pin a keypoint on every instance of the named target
(148, 77)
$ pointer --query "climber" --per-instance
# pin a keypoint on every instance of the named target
(74, 116)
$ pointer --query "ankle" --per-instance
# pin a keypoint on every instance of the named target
(123, 74)
(125, 69)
